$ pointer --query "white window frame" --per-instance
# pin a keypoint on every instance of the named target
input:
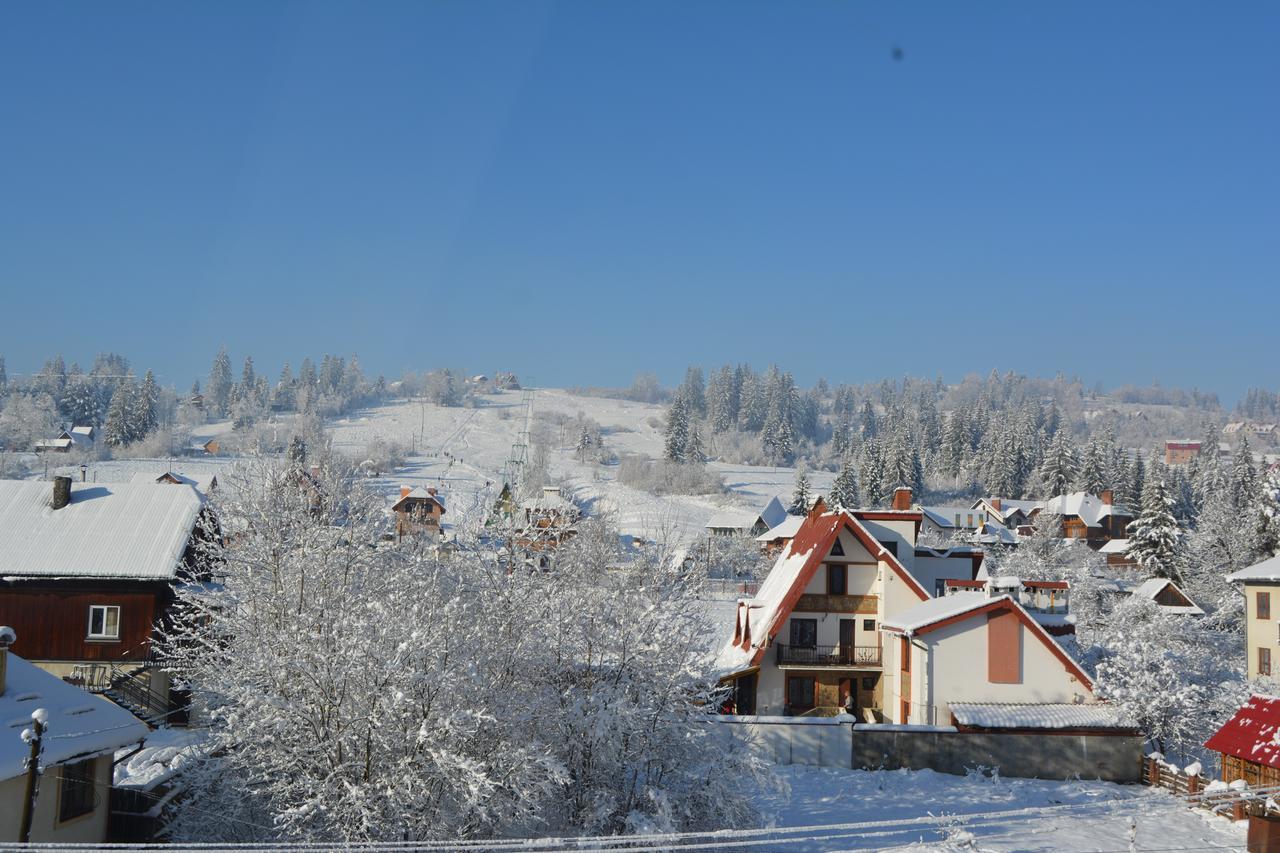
(106, 610)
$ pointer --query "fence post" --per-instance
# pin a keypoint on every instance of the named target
(1193, 785)
(1153, 771)
(1237, 810)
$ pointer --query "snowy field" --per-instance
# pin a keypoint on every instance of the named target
(933, 811)
(463, 451)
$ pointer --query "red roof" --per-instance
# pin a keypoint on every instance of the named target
(1251, 734)
(1046, 584)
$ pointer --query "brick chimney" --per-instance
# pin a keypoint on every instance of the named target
(404, 491)
(902, 498)
(61, 492)
(995, 504)
(7, 638)
(1108, 497)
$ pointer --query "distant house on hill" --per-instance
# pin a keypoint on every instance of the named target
(1094, 519)
(1168, 596)
(549, 520)
(743, 522)
(205, 485)
(83, 734)
(87, 574)
(61, 443)
(418, 511)
(1180, 452)
(1007, 511)
(208, 447)
(84, 436)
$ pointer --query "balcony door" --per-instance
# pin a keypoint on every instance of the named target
(847, 639)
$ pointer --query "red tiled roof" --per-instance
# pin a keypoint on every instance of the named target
(1251, 734)
(1046, 584)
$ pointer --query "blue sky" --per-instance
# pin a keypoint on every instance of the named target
(584, 191)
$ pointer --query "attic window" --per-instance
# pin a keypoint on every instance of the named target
(104, 622)
(837, 550)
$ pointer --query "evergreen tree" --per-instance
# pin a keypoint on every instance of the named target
(720, 401)
(81, 404)
(753, 406)
(800, 498)
(218, 389)
(693, 451)
(118, 429)
(142, 408)
(1244, 477)
(677, 433)
(844, 491)
(285, 398)
(1060, 467)
(297, 452)
(868, 421)
(1093, 473)
(1154, 536)
(694, 391)
(955, 443)
(248, 381)
(871, 473)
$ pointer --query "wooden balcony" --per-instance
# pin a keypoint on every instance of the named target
(843, 657)
(815, 603)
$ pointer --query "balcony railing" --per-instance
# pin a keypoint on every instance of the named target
(828, 655)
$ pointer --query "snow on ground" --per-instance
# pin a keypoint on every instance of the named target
(463, 451)
(931, 811)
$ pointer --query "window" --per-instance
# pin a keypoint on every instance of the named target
(891, 547)
(804, 633)
(868, 682)
(905, 655)
(1264, 661)
(75, 790)
(837, 580)
(837, 550)
(800, 693)
(104, 622)
(868, 624)
(939, 587)
(1264, 605)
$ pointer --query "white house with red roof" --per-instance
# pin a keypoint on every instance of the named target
(824, 631)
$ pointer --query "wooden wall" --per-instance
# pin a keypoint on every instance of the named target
(52, 622)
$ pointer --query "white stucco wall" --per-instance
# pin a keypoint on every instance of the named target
(88, 829)
(1262, 633)
(956, 670)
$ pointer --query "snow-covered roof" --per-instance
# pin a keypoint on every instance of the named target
(937, 609)
(733, 519)
(162, 756)
(1009, 715)
(80, 724)
(1152, 587)
(774, 512)
(1089, 508)
(787, 529)
(117, 530)
(1115, 546)
(54, 442)
(1252, 733)
(1267, 570)
(992, 533)
(202, 483)
(945, 516)
(419, 493)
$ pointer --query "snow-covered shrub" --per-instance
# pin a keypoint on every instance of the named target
(660, 477)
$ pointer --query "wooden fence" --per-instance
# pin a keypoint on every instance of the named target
(1234, 801)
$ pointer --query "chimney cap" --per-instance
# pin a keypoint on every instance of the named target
(8, 636)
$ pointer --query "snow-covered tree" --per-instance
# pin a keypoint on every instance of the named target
(801, 499)
(1060, 467)
(1244, 477)
(872, 474)
(361, 690)
(1154, 536)
(677, 432)
(119, 428)
(81, 404)
(844, 491)
(218, 388)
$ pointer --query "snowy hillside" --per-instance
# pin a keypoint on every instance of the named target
(463, 451)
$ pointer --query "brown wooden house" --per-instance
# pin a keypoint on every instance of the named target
(87, 573)
(418, 512)
(1246, 743)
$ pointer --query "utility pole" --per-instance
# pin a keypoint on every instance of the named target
(34, 736)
